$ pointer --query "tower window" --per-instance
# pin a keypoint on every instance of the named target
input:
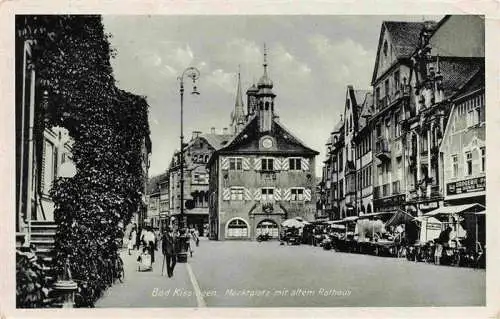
(267, 106)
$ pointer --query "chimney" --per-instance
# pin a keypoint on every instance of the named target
(195, 135)
(212, 130)
(224, 130)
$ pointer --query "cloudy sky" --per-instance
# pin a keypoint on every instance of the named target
(311, 61)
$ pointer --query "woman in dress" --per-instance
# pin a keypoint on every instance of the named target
(132, 239)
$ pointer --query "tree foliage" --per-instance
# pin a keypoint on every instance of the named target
(71, 55)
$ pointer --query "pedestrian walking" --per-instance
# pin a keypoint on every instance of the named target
(132, 239)
(169, 250)
(442, 241)
(149, 240)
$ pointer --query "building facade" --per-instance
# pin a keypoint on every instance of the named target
(397, 42)
(157, 200)
(263, 175)
(441, 70)
(42, 154)
(196, 178)
(404, 157)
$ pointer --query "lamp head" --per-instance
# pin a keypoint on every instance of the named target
(195, 90)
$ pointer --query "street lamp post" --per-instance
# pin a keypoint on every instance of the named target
(193, 74)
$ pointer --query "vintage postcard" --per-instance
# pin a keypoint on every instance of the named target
(193, 160)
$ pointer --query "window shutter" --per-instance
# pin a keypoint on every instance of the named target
(278, 162)
(257, 194)
(277, 194)
(286, 194)
(307, 195)
(305, 164)
(285, 164)
(257, 164)
(226, 194)
(246, 164)
(225, 163)
(248, 194)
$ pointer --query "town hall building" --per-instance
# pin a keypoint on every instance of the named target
(263, 175)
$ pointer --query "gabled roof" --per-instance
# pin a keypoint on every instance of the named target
(405, 38)
(457, 72)
(366, 110)
(475, 83)
(247, 141)
(358, 97)
(216, 141)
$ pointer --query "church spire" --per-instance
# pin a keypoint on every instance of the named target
(239, 97)
(238, 120)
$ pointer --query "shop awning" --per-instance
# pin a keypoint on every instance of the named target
(400, 217)
(377, 214)
(457, 209)
(350, 219)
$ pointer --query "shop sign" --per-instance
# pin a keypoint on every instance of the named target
(390, 201)
(430, 205)
(466, 186)
(433, 226)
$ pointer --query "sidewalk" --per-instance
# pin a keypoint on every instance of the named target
(150, 289)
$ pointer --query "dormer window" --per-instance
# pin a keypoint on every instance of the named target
(385, 48)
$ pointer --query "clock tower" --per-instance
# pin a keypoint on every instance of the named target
(265, 98)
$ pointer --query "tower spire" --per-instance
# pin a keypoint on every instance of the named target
(239, 96)
(238, 115)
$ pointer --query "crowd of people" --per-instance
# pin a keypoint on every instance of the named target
(147, 241)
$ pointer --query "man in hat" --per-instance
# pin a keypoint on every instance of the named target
(169, 249)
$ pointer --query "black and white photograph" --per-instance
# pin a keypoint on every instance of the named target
(249, 161)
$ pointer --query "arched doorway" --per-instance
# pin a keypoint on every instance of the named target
(369, 209)
(269, 227)
(237, 228)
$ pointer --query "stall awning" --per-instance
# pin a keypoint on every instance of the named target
(457, 209)
(400, 217)
(377, 214)
(350, 219)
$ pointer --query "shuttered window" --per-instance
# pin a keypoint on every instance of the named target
(267, 164)
(297, 194)
(295, 164)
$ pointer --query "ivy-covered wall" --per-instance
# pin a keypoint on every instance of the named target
(71, 55)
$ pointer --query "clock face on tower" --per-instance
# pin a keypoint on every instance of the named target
(267, 142)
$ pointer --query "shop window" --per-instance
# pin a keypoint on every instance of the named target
(237, 228)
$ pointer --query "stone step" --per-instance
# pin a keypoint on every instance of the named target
(43, 222)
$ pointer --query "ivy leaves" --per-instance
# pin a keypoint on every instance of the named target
(72, 56)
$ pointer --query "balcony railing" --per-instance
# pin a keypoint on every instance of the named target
(382, 150)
